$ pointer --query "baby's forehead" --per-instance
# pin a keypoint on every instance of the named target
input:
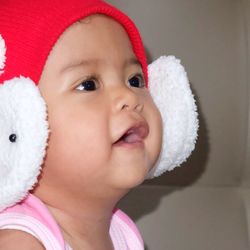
(92, 41)
(95, 33)
(98, 23)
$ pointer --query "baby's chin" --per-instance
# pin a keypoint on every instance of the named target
(129, 177)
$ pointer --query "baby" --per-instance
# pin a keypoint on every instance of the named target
(105, 131)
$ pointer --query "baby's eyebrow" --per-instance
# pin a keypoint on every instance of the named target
(132, 61)
(128, 62)
(75, 64)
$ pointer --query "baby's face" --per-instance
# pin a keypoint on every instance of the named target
(94, 88)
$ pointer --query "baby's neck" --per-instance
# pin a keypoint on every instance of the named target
(87, 231)
(84, 223)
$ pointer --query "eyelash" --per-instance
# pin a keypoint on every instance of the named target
(141, 80)
(89, 79)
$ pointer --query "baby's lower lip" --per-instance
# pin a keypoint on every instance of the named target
(129, 145)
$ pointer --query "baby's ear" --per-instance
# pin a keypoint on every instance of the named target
(23, 136)
(170, 90)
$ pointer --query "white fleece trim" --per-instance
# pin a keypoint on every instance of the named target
(22, 112)
(170, 89)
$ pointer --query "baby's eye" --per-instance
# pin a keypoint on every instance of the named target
(137, 81)
(88, 85)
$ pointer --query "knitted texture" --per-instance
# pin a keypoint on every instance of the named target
(30, 29)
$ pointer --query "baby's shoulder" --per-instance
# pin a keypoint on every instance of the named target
(122, 224)
(127, 221)
(15, 239)
(30, 221)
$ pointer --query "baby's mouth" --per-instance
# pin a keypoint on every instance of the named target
(134, 135)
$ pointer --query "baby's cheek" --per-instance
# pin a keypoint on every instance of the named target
(153, 114)
(154, 119)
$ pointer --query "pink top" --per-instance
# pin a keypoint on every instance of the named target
(33, 217)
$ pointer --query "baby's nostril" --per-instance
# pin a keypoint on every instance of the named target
(12, 137)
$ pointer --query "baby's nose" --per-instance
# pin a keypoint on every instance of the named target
(125, 98)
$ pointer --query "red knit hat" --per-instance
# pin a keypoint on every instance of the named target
(30, 29)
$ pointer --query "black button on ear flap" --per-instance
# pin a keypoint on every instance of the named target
(12, 138)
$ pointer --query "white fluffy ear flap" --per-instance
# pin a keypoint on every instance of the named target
(23, 135)
(23, 138)
(170, 90)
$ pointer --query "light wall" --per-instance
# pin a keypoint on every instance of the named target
(246, 172)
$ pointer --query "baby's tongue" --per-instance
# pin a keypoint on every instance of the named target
(131, 138)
